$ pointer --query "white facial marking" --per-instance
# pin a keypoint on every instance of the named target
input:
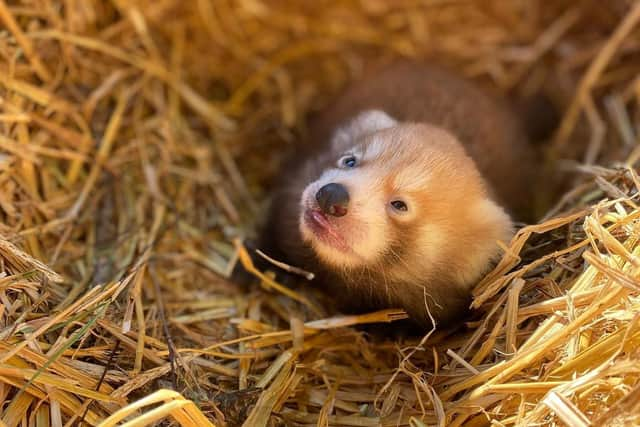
(481, 250)
(430, 238)
(363, 124)
(363, 228)
(374, 149)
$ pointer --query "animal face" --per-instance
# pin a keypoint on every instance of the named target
(400, 198)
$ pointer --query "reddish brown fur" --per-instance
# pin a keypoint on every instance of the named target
(491, 136)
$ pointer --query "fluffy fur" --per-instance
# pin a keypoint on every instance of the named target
(430, 140)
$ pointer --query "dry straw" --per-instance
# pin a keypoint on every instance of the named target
(136, 138)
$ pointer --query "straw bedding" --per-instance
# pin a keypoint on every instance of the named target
(137, 140)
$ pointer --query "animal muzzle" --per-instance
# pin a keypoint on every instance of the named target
(333, 199)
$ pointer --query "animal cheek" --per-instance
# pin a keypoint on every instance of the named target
(367, 206)
(371, 244)
(369, 235)
(430, 241)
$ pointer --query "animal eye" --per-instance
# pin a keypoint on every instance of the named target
(349, 161)
(399, 205)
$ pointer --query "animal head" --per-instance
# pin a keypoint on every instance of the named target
(402, 198)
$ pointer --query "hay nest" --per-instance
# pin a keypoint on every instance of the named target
(136, 141)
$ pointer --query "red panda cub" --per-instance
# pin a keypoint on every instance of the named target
(400, 198)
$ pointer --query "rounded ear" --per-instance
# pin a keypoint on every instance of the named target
(367, 122)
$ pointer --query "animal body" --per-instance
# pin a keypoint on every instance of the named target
(408, 182)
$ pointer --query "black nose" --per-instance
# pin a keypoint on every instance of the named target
(333, 199)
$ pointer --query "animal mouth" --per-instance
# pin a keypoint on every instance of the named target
(322, 228)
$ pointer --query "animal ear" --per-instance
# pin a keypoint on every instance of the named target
(367, 122)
